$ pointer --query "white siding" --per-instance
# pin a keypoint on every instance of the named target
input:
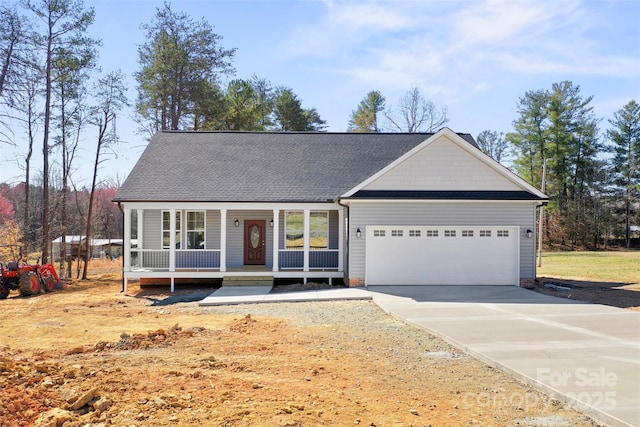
(442, 166)
(212, 231)
(441, 213)
(152, 234)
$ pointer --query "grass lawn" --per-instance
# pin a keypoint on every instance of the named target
(618, 266)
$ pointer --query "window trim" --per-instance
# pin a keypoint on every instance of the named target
(286, 225)
(204, 228)
(178, 220)
(326, 231)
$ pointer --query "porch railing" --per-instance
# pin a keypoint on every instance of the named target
(149, 259)
(318, 259)
(157, 259)
(197, 258)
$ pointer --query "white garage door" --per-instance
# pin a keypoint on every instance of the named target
(420, 255)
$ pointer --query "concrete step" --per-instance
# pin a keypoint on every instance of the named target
(248, 281)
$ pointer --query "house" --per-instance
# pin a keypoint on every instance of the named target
(110, 248)
(70, 247)
(74, 247)
(369, 209)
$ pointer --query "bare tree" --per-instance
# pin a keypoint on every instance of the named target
(416, 114)
(493, 144)
(13, 38)
(11, 35)
(26, 103)
(111, 97)
(64, 26)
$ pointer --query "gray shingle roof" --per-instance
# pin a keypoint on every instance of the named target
(259, 166)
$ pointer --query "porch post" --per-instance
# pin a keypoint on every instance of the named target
(172, 242)
(276, 236)
(223, 240)
(341, 239)
(307, 239)
(140, 229)
(127, 241)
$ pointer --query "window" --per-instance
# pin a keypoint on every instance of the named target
(449, 233)
(166, 229)
(396, 233)
(294, 229)
(485, 233)
(432, 233)
(467, 233)
(414, 233)
(503, 233)
(318, 229)
(378, 233)
(195, 230)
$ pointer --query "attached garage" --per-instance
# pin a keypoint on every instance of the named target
(444, 213)
(442, 255)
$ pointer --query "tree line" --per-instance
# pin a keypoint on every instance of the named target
(106, 221)
(51, 90)
(592, 176)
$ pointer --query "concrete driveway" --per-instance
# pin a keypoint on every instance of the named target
(586, 355)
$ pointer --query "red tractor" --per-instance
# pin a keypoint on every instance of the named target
(29, 279)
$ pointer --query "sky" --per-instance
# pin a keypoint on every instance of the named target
(476, 57)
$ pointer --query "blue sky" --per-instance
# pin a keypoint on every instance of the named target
(475, 57)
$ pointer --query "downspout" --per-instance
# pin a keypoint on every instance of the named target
(123, 251)
(346, 237)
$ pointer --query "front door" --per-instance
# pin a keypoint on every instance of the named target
(254, 242)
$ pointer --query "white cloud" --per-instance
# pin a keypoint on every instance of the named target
(370, 17)
(462, 50)
(570, 64)
(507, 21)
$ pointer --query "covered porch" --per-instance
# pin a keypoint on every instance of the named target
(223, 240)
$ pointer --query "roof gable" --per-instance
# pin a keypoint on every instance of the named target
(444, 162)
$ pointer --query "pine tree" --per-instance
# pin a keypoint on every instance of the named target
(625, 138)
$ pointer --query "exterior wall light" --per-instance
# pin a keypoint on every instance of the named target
(236, 223)
(358, 233)
(529, 233)
(271, 223)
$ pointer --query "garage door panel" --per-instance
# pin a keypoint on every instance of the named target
(443, 255)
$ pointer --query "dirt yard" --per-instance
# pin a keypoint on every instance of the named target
(92, 356)
(623, 295)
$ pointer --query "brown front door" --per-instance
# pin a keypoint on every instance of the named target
(254, 239)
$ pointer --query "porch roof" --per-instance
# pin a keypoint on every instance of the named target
(259, 166)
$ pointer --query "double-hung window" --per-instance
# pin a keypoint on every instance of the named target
(166, 229)
(195, 230)
(294, 226)
(318, 230)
